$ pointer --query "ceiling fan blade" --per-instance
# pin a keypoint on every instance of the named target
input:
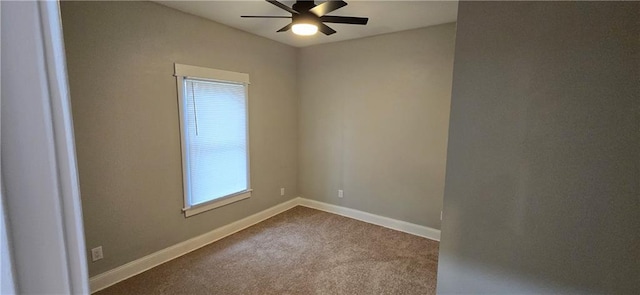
(326, 7)
(285, 28)
(264, 16)
(326, 29)
(344, 20)
(282, 6)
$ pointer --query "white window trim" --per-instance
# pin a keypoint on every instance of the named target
(192, 72)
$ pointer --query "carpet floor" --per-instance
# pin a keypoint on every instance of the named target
(300, 251)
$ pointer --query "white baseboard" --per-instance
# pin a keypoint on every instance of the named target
(135, 267)
(403, 226)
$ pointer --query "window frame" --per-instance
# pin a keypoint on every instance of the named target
(183, 72)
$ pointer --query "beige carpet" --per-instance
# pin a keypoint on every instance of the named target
(301, 251)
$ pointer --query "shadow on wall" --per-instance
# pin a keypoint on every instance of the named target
(543, 163)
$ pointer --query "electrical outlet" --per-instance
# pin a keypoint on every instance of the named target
(96, 253)
(340, 193)
(282, 191)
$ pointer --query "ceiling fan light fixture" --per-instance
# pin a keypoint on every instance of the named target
(304, 29)
(307, 18)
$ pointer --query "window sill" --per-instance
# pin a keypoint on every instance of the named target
(197, 209)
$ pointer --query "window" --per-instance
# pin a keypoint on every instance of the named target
(214, 131)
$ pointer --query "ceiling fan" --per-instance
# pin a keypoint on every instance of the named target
(307, 17)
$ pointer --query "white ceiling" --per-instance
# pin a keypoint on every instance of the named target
(384, 17)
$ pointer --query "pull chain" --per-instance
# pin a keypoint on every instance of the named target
(195, 113)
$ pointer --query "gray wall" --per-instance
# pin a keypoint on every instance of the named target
(542, 189)
(374, 116)
(120, 62)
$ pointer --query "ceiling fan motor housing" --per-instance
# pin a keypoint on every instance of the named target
(303, 6)
(306, 18)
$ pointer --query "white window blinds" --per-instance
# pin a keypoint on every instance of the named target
(216, 138)
(213, 107)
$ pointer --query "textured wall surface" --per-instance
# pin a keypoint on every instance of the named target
(543, 171)
(120, 60)
(374, 116)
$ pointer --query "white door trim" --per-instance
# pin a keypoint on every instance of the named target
(39, 174)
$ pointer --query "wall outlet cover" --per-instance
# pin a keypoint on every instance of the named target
(96, 253)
